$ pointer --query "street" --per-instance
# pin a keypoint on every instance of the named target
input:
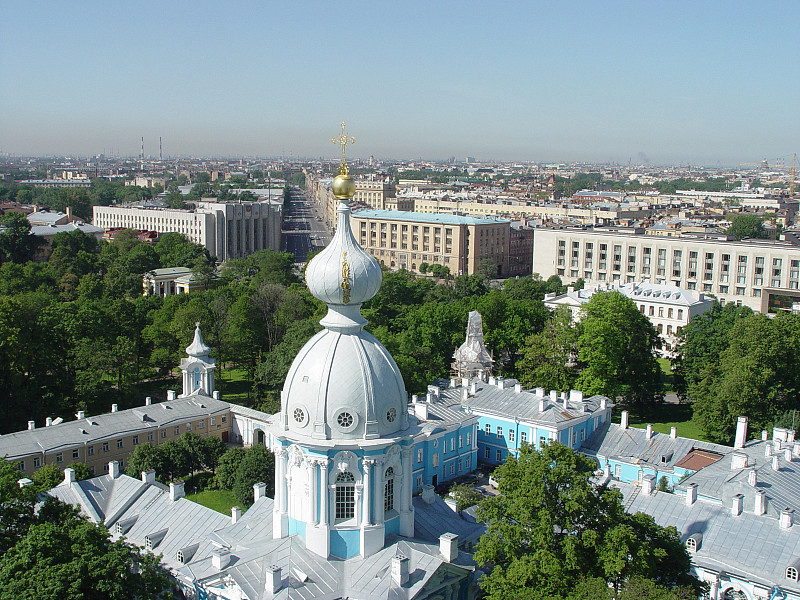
(303, 229)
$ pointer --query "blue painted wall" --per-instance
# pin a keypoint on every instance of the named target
(345, 542)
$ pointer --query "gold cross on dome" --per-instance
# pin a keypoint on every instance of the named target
(343, 140)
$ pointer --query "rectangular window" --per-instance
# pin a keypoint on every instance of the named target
(188, 427)
(201, 425)
(435, 459)
(419, 481)
(59, 458)
(75, 455)
(105, 446)
(486, 453)
(461, 441)
(488, 429)
(37, 462)
(90, 450)
(345, 501)
(523, 437)
(136, 440)
(177, 430)
(499, 455)
(21, 465)
(469, 440)
(420, 454)
(452, 468)
(150, 437)
(213, 420)
(499, 432)
(452, 444)
(583, 434)
(574, 437)
(468, 463)
(163, 433)
(225, 418)
(542, 441)
(511, 435)
(119, 443)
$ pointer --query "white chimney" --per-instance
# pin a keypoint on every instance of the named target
(648, 482)
(554, 396)
(787, 518)
(741, 433)
(760, 505)
(114, 408)
(428, 495)
(465, 394)
(220, 558)
(170, 394)
(236, 514)
(259, 491)
(673, 432)
(541, 404)
(453, 382)
(738, 461)
(539, 392)
(576, 396)
(787, 455)
(736, 505)
(764, 435)
(82, 414)
(767, 449)
(473, 388)
(113, 469)
(790, 436)
(492, 380)
(149, 477)
(691, 494)
(215, 395)
(274, 579)
(414, 398)
(148, 401)
(48, 421)
(448, 546)
(623, 419)
(176, 491)
(603, 403)
(69, 476)
(649, 431)
(752, 478)
(31, 425)
(776, 463)
(421, 411)
(518, 388)
(796, 449)
(400, 570)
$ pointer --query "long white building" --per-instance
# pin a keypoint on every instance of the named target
(227, 229)
(761, 274)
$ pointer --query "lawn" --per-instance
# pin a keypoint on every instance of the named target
(219, 500)
(666, 374)
(666, 415)
(234, 385)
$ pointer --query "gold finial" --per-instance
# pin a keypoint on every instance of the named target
(343, 140)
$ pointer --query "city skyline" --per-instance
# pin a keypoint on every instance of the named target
(706, 84)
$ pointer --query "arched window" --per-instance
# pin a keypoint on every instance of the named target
(345, 495)
(388, 490)
(660, 328)
(691, 545)
(196, 377)
(791, 573)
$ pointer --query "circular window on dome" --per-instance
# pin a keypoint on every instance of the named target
(391, 415)
(346, 420)
(300, 416)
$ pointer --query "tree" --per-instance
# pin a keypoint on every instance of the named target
(257, 465)
(17, 243)
(744, 225)
(615, 349)
(227, 466)
(548, 357)
(464, 495)
(47, 477)
(550, 526)
(146, 457)
(637, 588)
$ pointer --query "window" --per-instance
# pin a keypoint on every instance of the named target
(461, 441)
(452, 468)
(583, 434)
(574, 437)
(499, 432)
(90, 450)
(163, 433)
(680, 313)
(213, 420)
(75, 455)
(59, 458)
(511, 435)
(420, 454)
(177, 431)
(119, 443)
(188, 427)
(469, 439)
(21, 465)
(345, 495)
(452, 444)
(388, 490)
(669, 313)
(105, 446)
(691, 544)
(419, 481)
(523, 437)
(225, 418)
(499, 455)
(468, 463)
(488, 429)
(791, 573)
(486, 453)
(435, 459)
(37, 462)
(202, 425)
(136, 440)
(150, 437)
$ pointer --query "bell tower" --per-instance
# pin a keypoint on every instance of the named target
(198, 367)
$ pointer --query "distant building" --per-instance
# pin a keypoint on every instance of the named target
(48, 232)
(171, 281)
(668, 308)
(405, 240)
(520, 250)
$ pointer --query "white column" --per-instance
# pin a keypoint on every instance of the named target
(331, 501)
(314, 470)
(379, 490)
(281, 455)
(406, 489)
(359, 509)
(324, 492)
(368, 464)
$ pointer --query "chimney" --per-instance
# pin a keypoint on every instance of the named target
(82, 414)
(428, 495)
(149, 477)
(518, 388)
(31, 425)
(554, 396)
(691, 494)
(274, 579)
(473, 388)
(736, 505)
(492, 380)
(170, 394)
(176, 490)
(48, 421)
(760, 505)
(787, 455)
(220, 558)
(113, 469)
(259, 491)
(673, 432)
(465, 394)
(776, 463)
(741, 432)
(796, 449)
(648, 482)
(465, 381)
(767, 449)
(453, 382)
(576, 395)
(400, 570)
(114, 408)
(69, 476)
(764, 435)
(738, 461)
(414, 398)
(236, 514)
(448, 546)
(539, 392)
(603, 403)
(752, 478)
(790, 436)
(623, 420)
(649, 431)
(421, 411)
(215, 394)
(787, 518)
(148, 401)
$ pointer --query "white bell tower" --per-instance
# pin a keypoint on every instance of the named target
(198, 367)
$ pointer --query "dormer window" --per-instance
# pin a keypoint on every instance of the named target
(693, 542)
(791, 573)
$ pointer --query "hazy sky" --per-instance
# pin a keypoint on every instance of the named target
(696, 81)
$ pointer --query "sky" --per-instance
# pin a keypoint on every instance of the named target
(713, 83)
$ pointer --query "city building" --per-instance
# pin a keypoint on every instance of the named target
(227, 229)
(405, 240)
(669, 308)
(520, 250)
(173, 280)
(761, 274)
(375, 193)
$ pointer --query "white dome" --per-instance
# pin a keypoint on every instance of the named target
(344, 386)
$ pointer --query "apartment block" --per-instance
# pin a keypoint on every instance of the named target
(761, 274)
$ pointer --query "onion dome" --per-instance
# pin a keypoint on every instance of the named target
(197, 348)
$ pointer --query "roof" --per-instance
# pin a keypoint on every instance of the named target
(108, 426)
(639, 291)
(169, 272)
(433, 218)
(50, 230)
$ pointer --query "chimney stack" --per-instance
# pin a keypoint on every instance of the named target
(760, 505)
(787, 455)
(453, 382)
(623, 420)
(215, 395)
(741, 433)
(114, 408)
(752, 478)
(648, 482)
(764, 435)
(691, 494)
(518, 388)
(649, 431)
(259, 491)
(236, 514)
(448, 546)
(776, 463)
(176, 491)
(148, 401)
(400, 570)
(170, 394)
(31, 425)
(113, 469)
(82, 414)
(736, 505)
(787, 518)
(673, 432)
(149, 477)
(274, 579)
(69, 476)
(220, 558)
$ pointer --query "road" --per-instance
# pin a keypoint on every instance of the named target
(303, 229)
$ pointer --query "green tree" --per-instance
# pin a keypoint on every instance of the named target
(550, 526)
(47, 477)
(464, 495)
(744, 225)
(257, 465)
(17, 243)
(227, 466)
(146, 457)
(636, 588)
(615, 348)
(549, 357)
